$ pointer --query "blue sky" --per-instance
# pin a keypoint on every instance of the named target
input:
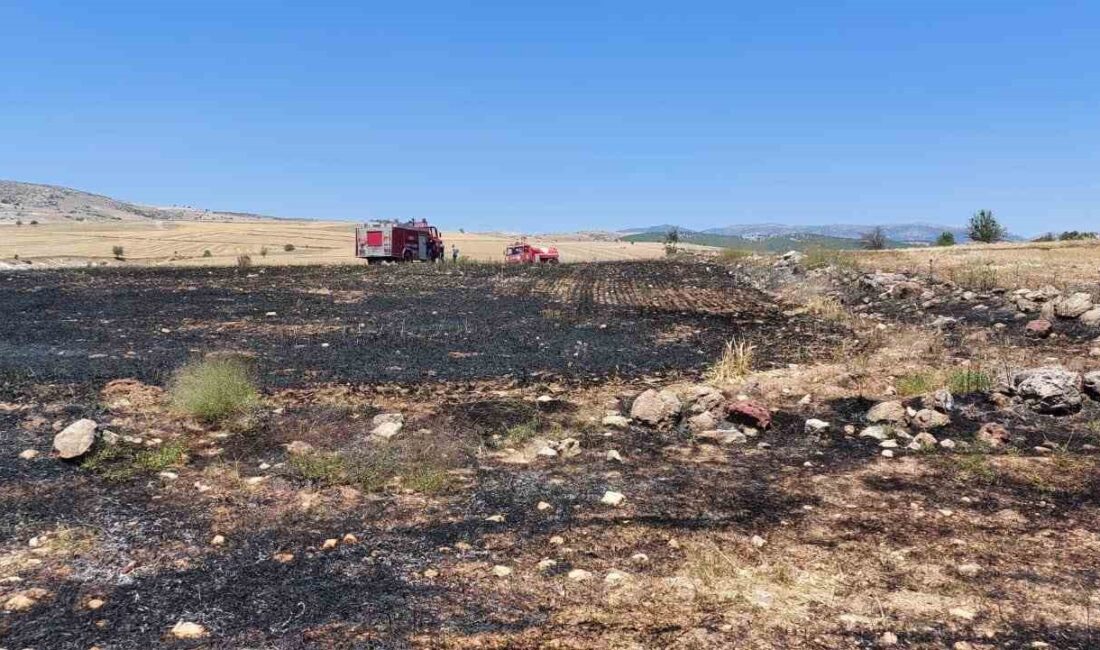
(564, 115)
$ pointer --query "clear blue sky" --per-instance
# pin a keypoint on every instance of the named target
(564, 115)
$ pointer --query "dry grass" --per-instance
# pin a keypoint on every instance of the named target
(735, 362)
(214, 389)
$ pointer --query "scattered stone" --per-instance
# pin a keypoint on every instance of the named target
(569, 448)
(639, 558)
(655, 407)
(1091, 384)
(615, 421)
(502, 571)
(496, 519)
(579, 575)
(924, 440)
(930, 419)
(888, 453)
(28, 454)
(814, 426)
(612, 498)
(283, 558)
(20, 602)
(547, 452)
(543, 506)
(968, 570)
(615, 577)
(751, 413)
(430, 573)
(350, 539)
(993, 434)
(329, 544)
(963, 613)
(887, 639)
(188, 630)
(891, 412)
(947, 443)
(613, 455)
(95, 603)
(942, 400)
(217, 540)
(387, 425)
(1049, 390)
(557, 540)
(877, 431)
(299, 448)
(888, 444)
(1040, 328)
(76, 439)
(1090, 317)
(1073, 305)
(757, 541)
(704, 421)
(546, 564)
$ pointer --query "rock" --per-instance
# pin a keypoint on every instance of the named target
(95, 603)
(924, 440)
(1091, 384)
(888, 444)
(569, 447)
(1049, 390)
(612, 498)
(350, 539)
(877, 431)
(76, 439)
(655, 407)
(547, 452)
(1040, 328)
(579, 575)
(613, 455)
(704, 421)
(1091, 317)
(757, 541)
(814, 426)
(892, 412)
(283, 558)
(968, 570)
(542, 506)
(19, 603)
(947, 443)
(502, 571)
(387, 425)
(188, 630)
(941, 400)
(28, 454)
(546, 564)
(1073, 305)
(993, 434)
(430, 573)
(217, 540)
(329, 544)
(557, 540)
(299, 448)
(751, 413)
(615, 421)
(887, 639)
(963, 613)
(928, 419)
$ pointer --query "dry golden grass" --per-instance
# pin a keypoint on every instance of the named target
(1011, 265)
(309, 242)
(735, 362)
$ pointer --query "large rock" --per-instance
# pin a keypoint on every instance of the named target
(655, 407)
(387, 425)
(1073, 305)
(993, 434)
(1091, 317)
(1092, 384)
(76, 439)
(1040, 328)
(891, 412)
(926, 419)
(1050, 390)
(703, 399)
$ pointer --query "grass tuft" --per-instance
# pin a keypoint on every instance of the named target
(124, 462)
(964, 382)
(213, 390)
(735, 362)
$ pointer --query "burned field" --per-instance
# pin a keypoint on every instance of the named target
(391, 324)
(565, 457)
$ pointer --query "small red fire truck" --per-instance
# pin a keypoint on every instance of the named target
(522, 252)
(402, 241)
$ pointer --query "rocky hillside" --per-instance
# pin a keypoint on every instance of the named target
(29, 203)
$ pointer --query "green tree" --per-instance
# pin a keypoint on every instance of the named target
(946, 238)
(985, 228)
(672, 241)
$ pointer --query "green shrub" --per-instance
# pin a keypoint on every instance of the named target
(214, 389)
(117, 251)
(985, 228)
(122, 462)
(917, 383)
(946, 238)
(207, 253)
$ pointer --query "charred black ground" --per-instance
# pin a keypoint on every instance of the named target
(395, 323)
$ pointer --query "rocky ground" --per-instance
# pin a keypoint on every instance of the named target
(566, 458)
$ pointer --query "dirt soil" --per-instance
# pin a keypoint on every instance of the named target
(476, 539)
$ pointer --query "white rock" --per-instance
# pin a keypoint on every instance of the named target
(502, 571)
(655, 407)
(758, 541)
(28, 454)
(613, 455)
(547, 452)
(76, 439)
(546, 564)
(615, 421)
(815, 426)
(188, 630)
(969, 570)
(615, 576)
(612, 498)
(543, 506)
(579, 575)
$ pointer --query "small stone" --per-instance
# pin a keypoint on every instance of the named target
(639, 558)
(877, 431)
(543, 506)
(283, 558)
(889, 412)
(924, 440)
(188, 630)
(612, 498)
(993, 434)
(430, 573)
(546, 564)
(94, 603)
(168, 476)
(76, 439)
(963, 613)
(613, 455)
(758, 541)
(557, 540)
(579, 575)
(968, 570)
(930, 419)
(888, 453)
(814, 426)
(502, 571)
(888, 444)
(496, 519)
(350, 539)
(547, 452)
(28, 454)
(887, 639)
(615, 421)
(217, 540)
(750, 413)
(329, 544)
(19, 603)
(947, 443)
(569, 448)
(656, 407)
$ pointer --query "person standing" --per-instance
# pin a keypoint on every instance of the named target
(454, 254)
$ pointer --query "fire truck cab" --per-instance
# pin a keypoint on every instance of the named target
(401, 241)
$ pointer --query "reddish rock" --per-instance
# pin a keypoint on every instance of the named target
(751, 413)
(1039, 328)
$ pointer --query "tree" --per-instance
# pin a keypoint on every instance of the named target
(985, 228)
(118, 251)
(672, 241)
(874, 240)
(946, 238)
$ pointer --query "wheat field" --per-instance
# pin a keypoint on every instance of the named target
(186, 243)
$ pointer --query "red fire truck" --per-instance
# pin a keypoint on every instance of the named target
(402, 241)
(522, 252)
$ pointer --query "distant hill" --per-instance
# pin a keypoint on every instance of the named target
(902, 232)
(29, 202)
(772, 244)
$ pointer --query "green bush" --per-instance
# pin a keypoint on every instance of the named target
(121, 462)
(985, 228)
(207, 253)
(946, 238)
(214, 389)
(117, 251)
(962, 382)
(917, 383)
